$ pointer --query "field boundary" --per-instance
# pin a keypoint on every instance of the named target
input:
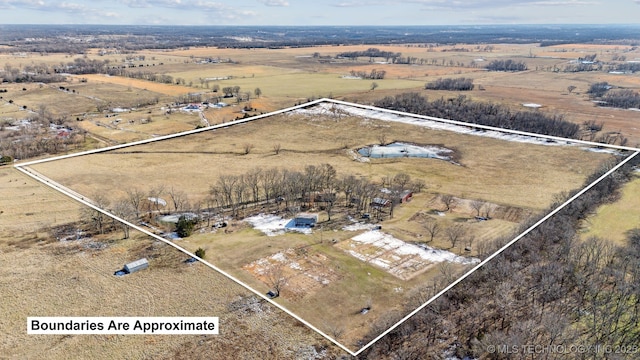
(23, 167)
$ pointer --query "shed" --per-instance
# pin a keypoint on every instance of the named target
(380, 202)
(406, 196)
(137, 265)
(305, 220)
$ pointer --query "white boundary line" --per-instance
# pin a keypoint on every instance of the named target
(52, 184)
(60, 188)
(172, 136)
(483, 127)
(507, 245)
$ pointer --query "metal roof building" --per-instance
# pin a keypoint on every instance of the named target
(136, 265)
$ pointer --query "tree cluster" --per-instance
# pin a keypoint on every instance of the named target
(506, 65)
(630, 67)
(463, 109)
(373, 74)
(457, 84)
(302, 189)
(598, 89)
(623, 98)
(548, 289)
(370, 53)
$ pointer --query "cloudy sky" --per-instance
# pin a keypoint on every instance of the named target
(319, 12)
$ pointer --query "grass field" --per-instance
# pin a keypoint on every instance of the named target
(516, 175)
(517, 178)
(612, 221)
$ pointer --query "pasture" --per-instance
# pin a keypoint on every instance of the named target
(515, 178)
(612, 221)
(518, 179)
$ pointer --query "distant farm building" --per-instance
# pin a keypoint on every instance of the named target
(380, 202)
(305, 220)
(406, 196)
(137, 265)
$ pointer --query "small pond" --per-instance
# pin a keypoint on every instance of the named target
(399, 149)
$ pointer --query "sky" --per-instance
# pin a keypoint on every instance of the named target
(319, 12)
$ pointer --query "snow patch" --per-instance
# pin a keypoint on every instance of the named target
(274, 225)
(399, 247)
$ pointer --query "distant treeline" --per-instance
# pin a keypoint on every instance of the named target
(370, 53)
(623, 98)
(506, 65)
(457, 84)
(373, 74)
(619, 98)
(129, 38)
(463, 109)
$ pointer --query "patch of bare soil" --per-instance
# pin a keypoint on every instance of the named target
(300, 272)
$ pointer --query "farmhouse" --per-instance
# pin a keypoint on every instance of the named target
(305, 220)
(137, 265)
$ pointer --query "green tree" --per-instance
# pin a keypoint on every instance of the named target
(200, 253)
(185, 226)
(6, 159)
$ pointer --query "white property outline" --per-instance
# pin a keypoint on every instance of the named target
(23, 167)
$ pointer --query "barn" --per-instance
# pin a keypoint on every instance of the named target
(406, 196)
(137, 265)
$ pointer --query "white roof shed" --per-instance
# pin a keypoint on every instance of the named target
(136, 265)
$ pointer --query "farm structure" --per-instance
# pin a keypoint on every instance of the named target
(137, 265)
(305, 220)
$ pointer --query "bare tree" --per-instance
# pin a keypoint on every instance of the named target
(449, 201)
(477, 206)
(418, 185)
(570, 88)
(97, 218)
(252, 180)
(124, 210)
(276, 148)
(178, 199)
(269, 180)
(402, 180)
(488, 210)
(155, 195)
(433, 228)
(455, 233)
(135, 197)
(374, 85)
(334, 330)
(382, 139)
(275, 278)
(247, 147)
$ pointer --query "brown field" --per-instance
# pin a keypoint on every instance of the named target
(171, 90)
(506, 177)
(28, 207)
(69, 278)
(613, 221)
(520, 177)
(74, 278)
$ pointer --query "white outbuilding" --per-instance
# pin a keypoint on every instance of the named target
(137, 265)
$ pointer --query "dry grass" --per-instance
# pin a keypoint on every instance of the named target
(28, 207)
(68, 279)
(171, 90)
(510, 174)
(612, 221)
(515, 174)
